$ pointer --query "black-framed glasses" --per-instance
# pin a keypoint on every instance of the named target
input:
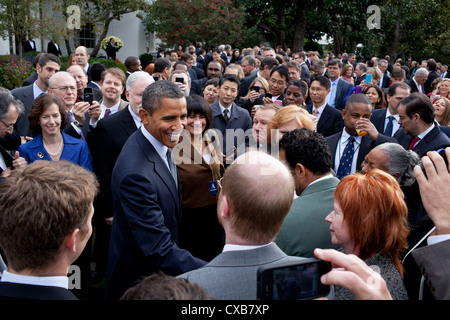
(8, 126)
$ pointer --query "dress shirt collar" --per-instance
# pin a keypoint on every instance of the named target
(388, 114)
(319, 108)
(328, 176)
(238, 247)
(345, 136)
(158, 145)
(113, 109)
(222, 108)
(335, 81)
(57, 281)
(136, 118)
(423, 134)
(37, 91)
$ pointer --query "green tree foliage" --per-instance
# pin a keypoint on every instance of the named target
(21, 19)
(187, 21)
(408, 27)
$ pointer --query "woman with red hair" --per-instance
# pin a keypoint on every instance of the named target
(369, 220)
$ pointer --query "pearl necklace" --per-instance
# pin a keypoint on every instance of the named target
(52, 153)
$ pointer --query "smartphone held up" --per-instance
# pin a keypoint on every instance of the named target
(293, 280)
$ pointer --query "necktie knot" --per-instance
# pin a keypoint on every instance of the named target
(107, 112)
(225, 115)
(413, 142)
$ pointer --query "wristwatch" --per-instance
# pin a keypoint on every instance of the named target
(75, 122)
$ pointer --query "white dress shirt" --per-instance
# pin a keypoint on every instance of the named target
(340, 150)
(395, 125)
(160, 148)
(57, 281)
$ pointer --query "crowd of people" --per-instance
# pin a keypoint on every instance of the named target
(196, 170)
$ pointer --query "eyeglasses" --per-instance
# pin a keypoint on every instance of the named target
(139, 95)
(65, 89)
(316, 89)
(8, 126)
(275, 81)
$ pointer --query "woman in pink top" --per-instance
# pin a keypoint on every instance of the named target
(347, 74)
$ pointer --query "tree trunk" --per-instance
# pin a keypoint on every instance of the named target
(337, 44)
(103, 34)
(393, 49)
(68, 47)
(281, 34)
(299, 26)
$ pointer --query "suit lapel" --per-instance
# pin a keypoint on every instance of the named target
(128, 123)
(423, 143)
(160, 167)
(364, 149)
(333, 142)
(323, 117)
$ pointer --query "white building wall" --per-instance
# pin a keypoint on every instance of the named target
(4, 46)
(132, 32)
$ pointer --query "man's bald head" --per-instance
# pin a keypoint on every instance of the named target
(259, 190)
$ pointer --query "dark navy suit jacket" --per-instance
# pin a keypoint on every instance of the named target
(17, 291)
(106, 142)
(367, 144)
(147, 211)
(330, 122)
(239, 119)
(378, 119)
(343, 88)
(434, 140)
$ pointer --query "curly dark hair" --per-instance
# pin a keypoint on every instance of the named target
(308, 148)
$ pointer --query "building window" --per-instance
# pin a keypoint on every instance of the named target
(86, 36)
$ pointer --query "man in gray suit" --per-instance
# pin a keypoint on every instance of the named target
(433, 259)
(308, 156)
(339, 88)
(251, 212)
(47, 66)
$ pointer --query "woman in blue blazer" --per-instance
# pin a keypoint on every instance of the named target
(47, 116)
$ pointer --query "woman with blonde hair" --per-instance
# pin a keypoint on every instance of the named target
(369, 220)
(442, 111)
(442, 90)
(347, 73)
(258, 87)
(288, 119)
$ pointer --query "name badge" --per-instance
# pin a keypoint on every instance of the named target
(213, 188)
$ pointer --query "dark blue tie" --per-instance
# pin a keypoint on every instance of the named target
(389, 127)
(345, 164)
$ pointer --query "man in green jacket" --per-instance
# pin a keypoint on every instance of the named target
(308, 156)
